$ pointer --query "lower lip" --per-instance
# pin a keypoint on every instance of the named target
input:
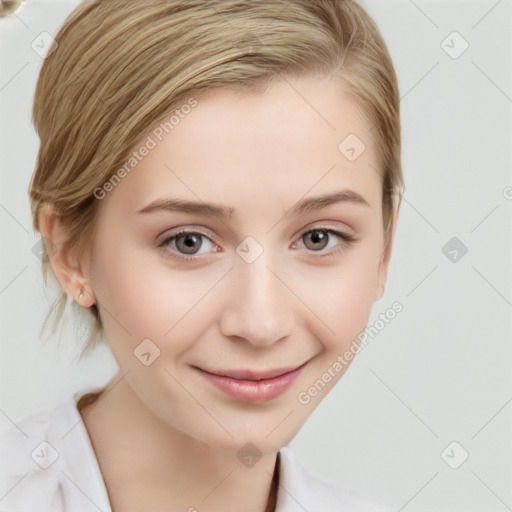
(250, 390)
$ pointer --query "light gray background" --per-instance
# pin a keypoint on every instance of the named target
(441, 370)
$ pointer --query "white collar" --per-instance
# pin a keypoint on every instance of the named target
(74, 480)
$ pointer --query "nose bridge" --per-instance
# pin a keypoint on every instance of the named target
(259, 308)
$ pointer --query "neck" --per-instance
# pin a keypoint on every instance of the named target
(148, 465)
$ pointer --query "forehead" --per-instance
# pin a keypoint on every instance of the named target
(240, 147)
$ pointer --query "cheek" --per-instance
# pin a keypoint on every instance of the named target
(344, 298)
(143, 297)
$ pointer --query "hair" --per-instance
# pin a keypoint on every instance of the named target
(117, 67)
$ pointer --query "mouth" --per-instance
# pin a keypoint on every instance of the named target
(252, 385)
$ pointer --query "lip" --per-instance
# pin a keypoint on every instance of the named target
(250, 385)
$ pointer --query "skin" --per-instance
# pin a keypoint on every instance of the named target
(162, 434)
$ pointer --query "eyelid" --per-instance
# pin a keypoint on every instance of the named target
(171, 233)
(345, 239)
(327, 226)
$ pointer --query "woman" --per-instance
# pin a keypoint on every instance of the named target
(218, 187)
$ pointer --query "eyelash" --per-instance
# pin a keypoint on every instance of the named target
(346, 241)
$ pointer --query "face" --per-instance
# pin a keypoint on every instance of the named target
(245, 298)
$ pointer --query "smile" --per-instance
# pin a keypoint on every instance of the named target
(250, 385)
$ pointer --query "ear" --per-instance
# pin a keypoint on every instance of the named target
(382, 273)
(69, 265)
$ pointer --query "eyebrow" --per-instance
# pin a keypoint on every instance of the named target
(223, 212)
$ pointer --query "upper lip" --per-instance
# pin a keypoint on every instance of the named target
(253, 374)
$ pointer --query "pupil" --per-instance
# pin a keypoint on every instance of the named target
(187, 242)
(318, 237)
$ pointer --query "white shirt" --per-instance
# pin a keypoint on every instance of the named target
(47, 464)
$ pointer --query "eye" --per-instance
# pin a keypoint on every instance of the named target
(318, 239)
(190, 245)
(186, 245)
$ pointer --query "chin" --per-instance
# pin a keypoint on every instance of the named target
(244, 437)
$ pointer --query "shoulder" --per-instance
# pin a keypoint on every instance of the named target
(301, 489)
(48, 462)
(25, 444)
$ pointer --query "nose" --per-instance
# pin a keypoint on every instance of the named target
(258, 306)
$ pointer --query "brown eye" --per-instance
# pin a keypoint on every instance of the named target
(316, 239)
(188, 243)
(324, 243)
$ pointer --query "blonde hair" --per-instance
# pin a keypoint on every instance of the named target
(119, 66)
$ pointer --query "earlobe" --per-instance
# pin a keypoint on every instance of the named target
(66, 263)
(380, 291)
